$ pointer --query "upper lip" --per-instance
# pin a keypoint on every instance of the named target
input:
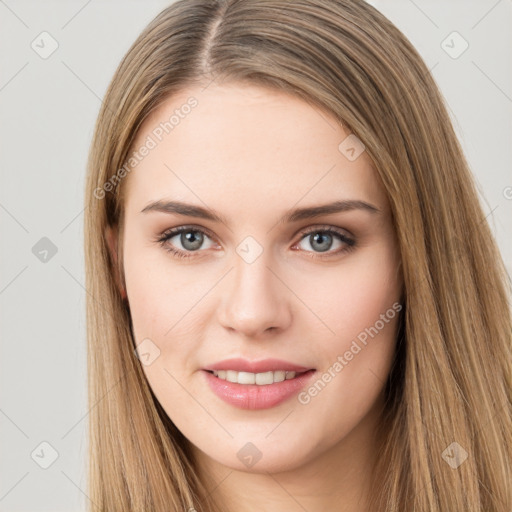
(265, 365)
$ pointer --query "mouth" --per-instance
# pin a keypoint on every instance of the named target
(259, 379)
(252, 391)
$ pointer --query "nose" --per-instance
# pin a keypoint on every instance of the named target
(256, 301)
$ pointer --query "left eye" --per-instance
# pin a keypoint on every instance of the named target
(191, 240)
(322, 240)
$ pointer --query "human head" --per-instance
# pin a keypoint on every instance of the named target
(258, 288)
(383, 94)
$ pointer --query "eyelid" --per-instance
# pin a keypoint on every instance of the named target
(185, 227)
(324, 227)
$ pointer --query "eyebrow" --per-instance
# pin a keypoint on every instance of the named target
(298, 214)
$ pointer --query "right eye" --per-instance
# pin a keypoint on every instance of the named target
(190, 238)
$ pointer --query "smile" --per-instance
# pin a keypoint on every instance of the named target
(246, 390)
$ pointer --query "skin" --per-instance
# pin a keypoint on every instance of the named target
(252, 154)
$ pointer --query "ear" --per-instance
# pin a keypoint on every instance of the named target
(111, 235)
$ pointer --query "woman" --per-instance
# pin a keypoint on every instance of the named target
(295, 302)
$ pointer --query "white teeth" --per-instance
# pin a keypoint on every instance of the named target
(279, 376)
(264, 378)
(261, 379)
(231, 376)
(246, 378)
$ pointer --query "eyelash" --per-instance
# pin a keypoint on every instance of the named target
(178, 253)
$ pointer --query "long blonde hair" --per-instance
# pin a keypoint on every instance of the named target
(451, 382)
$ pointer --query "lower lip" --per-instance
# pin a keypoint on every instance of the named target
(253, 396)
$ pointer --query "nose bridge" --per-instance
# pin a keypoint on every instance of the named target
(255, 299)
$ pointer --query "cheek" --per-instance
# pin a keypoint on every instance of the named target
(355, 295)
(360, 305)
(161, 295)
(165, 309)
(363, 320)
(169, 307)
(355, 364)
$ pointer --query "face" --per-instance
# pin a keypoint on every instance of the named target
(320, 293)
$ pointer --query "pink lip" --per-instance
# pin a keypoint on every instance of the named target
(253, 396)
(266, 365)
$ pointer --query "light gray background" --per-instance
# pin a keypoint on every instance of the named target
(48, 108)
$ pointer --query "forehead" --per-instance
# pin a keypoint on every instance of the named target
(247, 144)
